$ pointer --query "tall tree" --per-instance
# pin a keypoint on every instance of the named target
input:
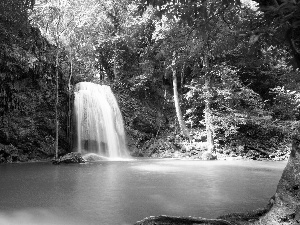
(181, 122)
(171, 37)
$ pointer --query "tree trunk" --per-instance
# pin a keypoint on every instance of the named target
(207, 110)
(181, 122)
(57, 37)
(182, 77)
(284, 206)
(56, 106)
(70, 95)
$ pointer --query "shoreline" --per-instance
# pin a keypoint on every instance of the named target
(224, 158)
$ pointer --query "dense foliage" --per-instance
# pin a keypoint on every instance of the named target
(235, 73)
(27, 81)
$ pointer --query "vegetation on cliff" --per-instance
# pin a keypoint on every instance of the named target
(27, 75)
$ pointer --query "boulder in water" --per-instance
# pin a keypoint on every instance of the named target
(207, 155)
(72, 157)
(92, 157)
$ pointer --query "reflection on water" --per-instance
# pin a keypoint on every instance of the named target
(35, 217)
(123, 192)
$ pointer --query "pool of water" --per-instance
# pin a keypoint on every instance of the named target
(121, 193)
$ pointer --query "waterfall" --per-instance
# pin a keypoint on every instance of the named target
(99, 123)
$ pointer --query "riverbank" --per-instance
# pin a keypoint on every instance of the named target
(12, 158)
(172, 148)
(9, 154)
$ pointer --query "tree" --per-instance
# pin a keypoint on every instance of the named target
(171, 37)
(112, 39)
(176, 98)
(283, 16)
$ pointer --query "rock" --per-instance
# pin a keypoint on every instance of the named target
(172, 220)
(92, 157)
(207, 155)
(72, 157)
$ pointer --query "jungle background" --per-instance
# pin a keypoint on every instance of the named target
(191, 77)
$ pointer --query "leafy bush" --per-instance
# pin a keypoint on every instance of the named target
(286, 104)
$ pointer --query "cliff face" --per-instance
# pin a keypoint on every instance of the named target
(27, 95)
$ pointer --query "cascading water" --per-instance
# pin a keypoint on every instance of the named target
(99, 122)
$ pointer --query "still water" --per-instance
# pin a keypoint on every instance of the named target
(121, 193)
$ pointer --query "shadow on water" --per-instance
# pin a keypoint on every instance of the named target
(123, 192)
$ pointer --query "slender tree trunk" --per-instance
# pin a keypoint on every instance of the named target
(70, 95)
(57, 36)
(207, 110)
(56, 106)
(182, 76)
(181, 122)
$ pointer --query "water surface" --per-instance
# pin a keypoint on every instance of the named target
(121, 193)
